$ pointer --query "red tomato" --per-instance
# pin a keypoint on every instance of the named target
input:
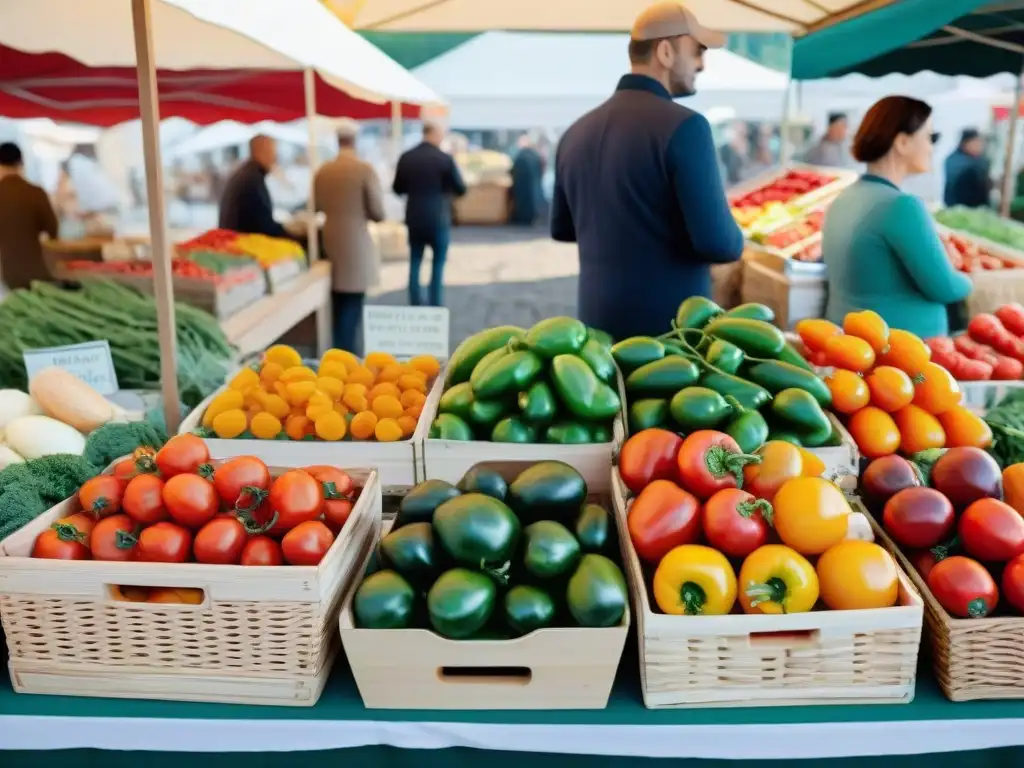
(918, 518)
(992, 531)
(295, 497)
(143, 499)
(734, 522)
(84, 522)
(649, 455)
(164, 543)
(235, 475)
(183, 454)
(709, 462)
(220, 542)
(101, 495)
(963, 587)
(1013, 583)
(923, 560)
(61, 541)
(307, 543)
(339, 495)
(190, 500)
(662, 517)
(125, 470)
(262, 550)
(114, 538)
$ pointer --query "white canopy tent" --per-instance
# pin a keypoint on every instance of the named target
(523, 80)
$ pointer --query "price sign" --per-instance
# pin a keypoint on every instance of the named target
(91, 362)
(406, 331)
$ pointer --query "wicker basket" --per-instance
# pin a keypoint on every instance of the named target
(822, 657)
(259, 636)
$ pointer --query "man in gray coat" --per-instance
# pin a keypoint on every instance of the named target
(349, 193)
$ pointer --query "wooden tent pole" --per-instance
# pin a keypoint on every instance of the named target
(309, 83)
(163, 291)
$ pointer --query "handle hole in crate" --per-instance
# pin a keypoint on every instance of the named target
(182, 596)
(785, 639)
(489, 675)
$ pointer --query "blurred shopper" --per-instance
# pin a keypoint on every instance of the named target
(831, 150)
(429, 179)
(968, 180)
(735, 153)
(25, 214)
(879, 243)
(349, 193)
(527, 194)
(245, 205)
(637, 185)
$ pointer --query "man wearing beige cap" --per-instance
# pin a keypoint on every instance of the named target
(637, 185)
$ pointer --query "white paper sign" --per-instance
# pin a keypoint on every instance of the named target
(406, 331)
(91, 362)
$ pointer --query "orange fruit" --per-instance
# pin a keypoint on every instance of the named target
(849, 391)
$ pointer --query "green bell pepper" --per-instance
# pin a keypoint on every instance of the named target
(748, 428)
(528, 608)
(548, 490)
(594, 528)
(776, 376)
(477, 531)
(472, 350)
(755, 337)
(484, 414)
(630, 354)
(600, 433)
(696, 408)
(557, 336)
(798, 409)
(448, 426)
(696, 312)
(752, 311)
(513, 430)
(506, 375)
(749, 394)
(596, 594)
(568, 433)
(410, 551)
(419, 504)
(384, 601)
(646, 414)
(461, 602)
(600, 360)
(585, 395)
(549, 549)
(662, 378)
(538, 404)
(484, 480)
(457, 400)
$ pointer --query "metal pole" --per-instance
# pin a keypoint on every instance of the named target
(396, 130)
(1011, 142)
(163, 290)
(312, 230)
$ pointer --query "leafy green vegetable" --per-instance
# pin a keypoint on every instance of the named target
(1007, 423)
(984, 223)
(112, 441)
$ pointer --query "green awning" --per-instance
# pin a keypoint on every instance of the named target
(951, 37)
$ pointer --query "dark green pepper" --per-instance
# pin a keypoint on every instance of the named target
(817, 438)
(478, 531)
(538, 404)
(557, 336)
(786, 436)
(472, 350)
(549, 490)
(484, 414)
(384, 601)
(748, 428)
(630, 354)
(568, 433)
(646, 414)
(747, 393)
(601, 337)
(550, 549)
(506, 375)
(696, 408)
(776, 376)
(460, 602)
(799, 409)
(600, 433)
(753, 311)
(791, 356)
(528, 608)
(593, 528)
(600, 360)
(755, 337)
(513, 430)
(410, 551)
(596, 594)
(662, 378)
(448, 426)
(724, 356)
(585, 395)
(484, 480)
(696, 312)
(457, 400)
(419, 504)
(672, 348)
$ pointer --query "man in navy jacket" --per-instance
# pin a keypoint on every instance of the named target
(245, 205)
(637, 185)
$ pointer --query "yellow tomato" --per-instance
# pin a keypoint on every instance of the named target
(857, 574)
(776, 579)
(695, 580)
(810, 514)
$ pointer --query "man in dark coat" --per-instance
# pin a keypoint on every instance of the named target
(245, 205)
(637, 185)
(967, 173)
(429, 179)
(25, 214)
(527, 194)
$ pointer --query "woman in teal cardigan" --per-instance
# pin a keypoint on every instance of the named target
(879, 244)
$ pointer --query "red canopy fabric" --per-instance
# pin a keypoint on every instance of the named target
(58, 87)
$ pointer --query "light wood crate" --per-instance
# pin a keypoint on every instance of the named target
(554, 668)
(449, 460)
(398, 464)
(843, 459)
(792, 297)
(262, 635)
(841, 180)
(821, 657)
(973, 659)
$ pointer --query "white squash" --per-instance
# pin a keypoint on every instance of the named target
(15, 403)
(8, 457)
(35, 436)
(67, 398)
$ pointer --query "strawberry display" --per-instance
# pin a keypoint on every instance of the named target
(792, 184)
(796, 232)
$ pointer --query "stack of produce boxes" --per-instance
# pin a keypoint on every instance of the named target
(281, 260)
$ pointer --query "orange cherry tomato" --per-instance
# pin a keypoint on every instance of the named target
(936, 390)
(891, 388)
(850, 353)
(870, 327)
(780, 461)
(849, 391)
(875, 432)
(855, 575)
(906, 352)
(815, 333)
(919, 430)
(810, 514)
(965, 428)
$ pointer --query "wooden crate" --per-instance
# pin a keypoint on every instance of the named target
(486, 203)
(841, 179)
(821, 657)
(992, 288)
(843, 459)
(555, 668)
(398, 464)
(792, 297)
(260, 636)
(281, 275)
(449, 460)
(973, 659)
